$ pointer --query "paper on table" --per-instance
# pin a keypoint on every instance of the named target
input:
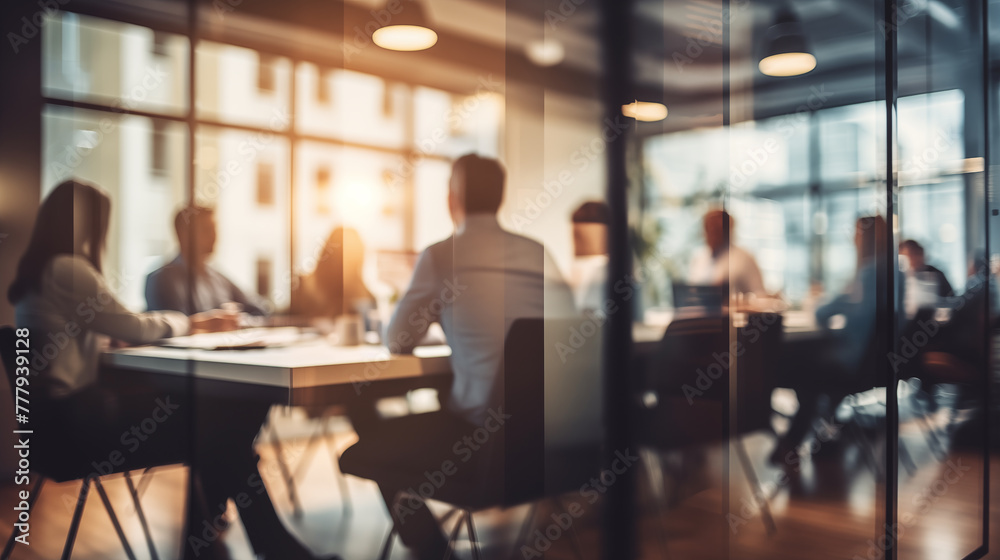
(241, 339)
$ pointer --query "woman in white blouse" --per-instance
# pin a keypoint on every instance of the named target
(62, 297)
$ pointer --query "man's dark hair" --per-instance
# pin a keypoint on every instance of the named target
(592, 212)
(482, 185)
(188, 215)
(912, 246)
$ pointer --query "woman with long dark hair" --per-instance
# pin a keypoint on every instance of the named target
(336, 286)
(60, 294)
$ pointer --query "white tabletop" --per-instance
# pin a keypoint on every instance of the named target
(294, 362)
(311, 363)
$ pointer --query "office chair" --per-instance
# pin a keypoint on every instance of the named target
(676, 413)
(48, 463)
(549, 445)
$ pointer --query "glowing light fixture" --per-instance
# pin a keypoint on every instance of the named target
(407, 28)
(786, 51)
(546, 52)
(645, 111)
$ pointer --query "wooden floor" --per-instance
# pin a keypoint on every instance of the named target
(826, 511)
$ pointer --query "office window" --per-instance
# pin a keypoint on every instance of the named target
(114, 64)
(114, 152)
(245, 179)
(799, 236)
(354, 108)
(356, 124)
(238, 86)
(450, 125)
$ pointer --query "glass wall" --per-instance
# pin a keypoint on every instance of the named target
(812, 360)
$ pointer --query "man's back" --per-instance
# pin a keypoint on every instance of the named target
(476, 283)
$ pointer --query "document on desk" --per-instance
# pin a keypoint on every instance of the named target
(243, 339)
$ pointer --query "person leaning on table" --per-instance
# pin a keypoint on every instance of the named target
(60, 294)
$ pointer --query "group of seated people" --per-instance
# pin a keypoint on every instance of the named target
(474, 284)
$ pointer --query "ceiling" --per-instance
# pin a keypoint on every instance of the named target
(677, 45)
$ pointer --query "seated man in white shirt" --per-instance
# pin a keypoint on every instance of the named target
(722, 262)
(474, 284)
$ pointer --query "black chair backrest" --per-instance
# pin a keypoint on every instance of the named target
(551, 379)
(696, 358)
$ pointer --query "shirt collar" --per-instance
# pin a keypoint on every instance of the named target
(478, 221)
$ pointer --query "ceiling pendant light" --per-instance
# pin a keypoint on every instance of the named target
(407, 28)
(646, 111)
(786, 52)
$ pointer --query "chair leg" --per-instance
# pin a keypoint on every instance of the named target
(529, 520)
(142, 516)
(653, 466)
(345, 491)
(286, 473)
(144, 480)
(453, 539)
(751, 475)
(473, 540)
(114, 518)
(314, 440)
(35, 490)
(387, 546)
(74, 525)
(868, 450)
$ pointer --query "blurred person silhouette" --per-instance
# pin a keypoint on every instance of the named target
(167, 287)
(474, 284)
(60, 282)
(926, 286)
(846, 363)
(916, 257)
(721, 261)
(336, 286)
(589, 271)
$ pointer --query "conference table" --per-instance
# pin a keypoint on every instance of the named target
(297, 367)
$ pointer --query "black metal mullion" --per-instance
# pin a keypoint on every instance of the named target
(886, 267)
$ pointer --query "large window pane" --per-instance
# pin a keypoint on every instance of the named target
(340, 186)
(451, 125)
(241, 86)
(244, 177)
(116, 64)
(351, 106)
